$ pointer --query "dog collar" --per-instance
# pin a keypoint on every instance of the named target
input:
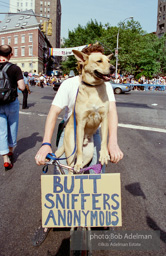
(88, 84)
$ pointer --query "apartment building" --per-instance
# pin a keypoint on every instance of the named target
(45, 10)
(22, 32)
(161, 18)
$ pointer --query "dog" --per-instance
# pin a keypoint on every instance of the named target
(91, 108)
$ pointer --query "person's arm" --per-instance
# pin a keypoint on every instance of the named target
(49, 129)
(21, 84)
(114, 151)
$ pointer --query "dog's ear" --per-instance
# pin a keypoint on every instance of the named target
(110, 56)
(80, 56)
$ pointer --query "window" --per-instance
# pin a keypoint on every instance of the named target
(4, 27)
(8, 20)
(24, 23)
(22, 65)
(45, 3)
(2, 40)
(41, 9)
(22, 39)
(9, 40)
(48, 3)
(45, 9)
(41, 21)
(41, 2)
(16, 40)
(30, 37)
(48, 9)
(27, 17)
(161, 27)
(48, 15)
(15, 52)
(26, 4)
(30, 51)
(21, 18)
(22, 51)
(17, 25)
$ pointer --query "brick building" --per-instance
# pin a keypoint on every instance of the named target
(29, 44)
(51, 9)
(161, 18)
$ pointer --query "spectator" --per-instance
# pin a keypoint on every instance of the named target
(26, 91)
(41, 81)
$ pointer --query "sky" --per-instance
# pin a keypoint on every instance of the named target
(75, 12)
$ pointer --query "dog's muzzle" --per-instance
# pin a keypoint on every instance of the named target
(105, 77)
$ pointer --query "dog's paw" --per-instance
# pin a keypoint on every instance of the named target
(104, 157)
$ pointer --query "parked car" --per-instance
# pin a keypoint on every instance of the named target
(120, 88)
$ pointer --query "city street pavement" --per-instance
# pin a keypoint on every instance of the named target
(142, 175)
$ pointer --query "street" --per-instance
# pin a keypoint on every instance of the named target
(142, 138)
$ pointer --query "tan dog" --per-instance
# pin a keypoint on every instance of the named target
(91, 109)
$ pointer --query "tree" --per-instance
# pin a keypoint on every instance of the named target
(139, 53)
(161, 54)
(81, 36)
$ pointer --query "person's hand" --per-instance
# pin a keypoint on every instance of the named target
(115, 153)
(41, 155)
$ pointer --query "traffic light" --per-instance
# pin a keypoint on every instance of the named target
(49, 29)
(44, 27)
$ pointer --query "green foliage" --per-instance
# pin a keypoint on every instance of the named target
(139, 53)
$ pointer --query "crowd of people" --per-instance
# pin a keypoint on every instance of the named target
(45, 80)
(160, 80)
(42, 80)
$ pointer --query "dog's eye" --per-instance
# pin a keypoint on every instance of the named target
(99, 61)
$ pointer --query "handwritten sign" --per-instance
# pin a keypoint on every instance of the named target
(81, 200)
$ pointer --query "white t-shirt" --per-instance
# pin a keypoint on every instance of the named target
(66, 95)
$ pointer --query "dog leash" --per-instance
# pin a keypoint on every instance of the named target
(53, 156)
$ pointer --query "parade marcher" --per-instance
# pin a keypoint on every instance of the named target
(65, 98)
(9, 112)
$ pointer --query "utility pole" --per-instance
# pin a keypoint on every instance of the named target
(117, 48)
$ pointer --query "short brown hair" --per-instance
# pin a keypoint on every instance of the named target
(5, 50)
(93, 48)
(88, 50)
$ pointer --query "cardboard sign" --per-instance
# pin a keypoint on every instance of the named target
(81, 200)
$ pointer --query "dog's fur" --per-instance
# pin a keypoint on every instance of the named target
(91, 109)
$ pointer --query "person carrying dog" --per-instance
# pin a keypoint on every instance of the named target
(65, 98)
(9, 104)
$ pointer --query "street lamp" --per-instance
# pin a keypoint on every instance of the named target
(117, 47)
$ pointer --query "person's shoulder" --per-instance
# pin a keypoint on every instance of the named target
(14, 67)
(71, 80)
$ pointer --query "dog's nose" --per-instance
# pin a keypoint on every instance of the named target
(112, 69)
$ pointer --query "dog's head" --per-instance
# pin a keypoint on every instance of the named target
(96, 67)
